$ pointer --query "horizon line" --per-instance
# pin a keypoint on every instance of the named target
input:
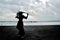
(34, 21)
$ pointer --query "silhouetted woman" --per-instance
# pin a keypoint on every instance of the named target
(20, 16)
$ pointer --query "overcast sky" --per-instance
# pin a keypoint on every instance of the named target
(41, 10)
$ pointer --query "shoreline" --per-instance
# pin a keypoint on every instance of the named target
(31, 25)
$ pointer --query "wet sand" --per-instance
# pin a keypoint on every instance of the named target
(40, 32)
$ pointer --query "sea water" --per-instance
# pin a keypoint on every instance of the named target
(14, 23)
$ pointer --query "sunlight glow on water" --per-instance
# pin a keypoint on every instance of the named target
(29, 23)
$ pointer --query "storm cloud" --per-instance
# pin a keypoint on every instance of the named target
(39, 10)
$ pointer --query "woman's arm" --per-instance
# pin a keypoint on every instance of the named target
(17, 16)
(26, 16)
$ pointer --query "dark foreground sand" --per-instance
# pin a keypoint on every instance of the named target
(42, 32)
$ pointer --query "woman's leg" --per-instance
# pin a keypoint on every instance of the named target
(21, 31)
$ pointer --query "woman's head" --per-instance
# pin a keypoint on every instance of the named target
(20, 12)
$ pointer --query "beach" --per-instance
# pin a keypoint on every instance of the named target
(39, 32)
